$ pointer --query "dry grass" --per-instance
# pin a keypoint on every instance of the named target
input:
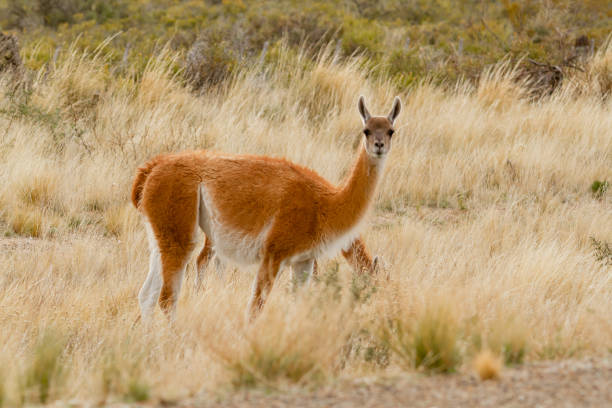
(487, 365)
(484, 221)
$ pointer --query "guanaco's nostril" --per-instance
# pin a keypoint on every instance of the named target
(379, 145)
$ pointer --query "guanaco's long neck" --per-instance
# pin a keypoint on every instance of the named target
(350, 203)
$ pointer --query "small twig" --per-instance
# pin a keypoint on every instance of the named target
(126, 53)
(56, 54)
(574, 67)
(565, 63)
(539, 64)
(264, 50)
(338, 50)
(8, 128)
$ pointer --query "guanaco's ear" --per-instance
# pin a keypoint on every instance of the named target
(395, 110)
(363, 111)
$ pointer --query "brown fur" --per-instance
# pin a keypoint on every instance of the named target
(141, 176)
(297, 209)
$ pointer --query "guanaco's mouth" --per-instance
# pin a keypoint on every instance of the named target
(378, 154)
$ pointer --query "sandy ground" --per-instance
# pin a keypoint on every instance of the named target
(583, 383)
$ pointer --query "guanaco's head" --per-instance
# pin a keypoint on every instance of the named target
(378, 130)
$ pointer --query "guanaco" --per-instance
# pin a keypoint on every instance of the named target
(254, 210)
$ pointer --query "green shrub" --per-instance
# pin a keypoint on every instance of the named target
(599, 188)
(514, 352)
(137, 392)
(359, 34)
(415, 40)
(56, 12)
(212, 58)
(431, 342)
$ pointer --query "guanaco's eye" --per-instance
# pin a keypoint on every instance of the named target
(390, 132)
(367, 132)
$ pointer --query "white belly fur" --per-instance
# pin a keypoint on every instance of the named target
(331, 246)
(236, 246)
(228, 244)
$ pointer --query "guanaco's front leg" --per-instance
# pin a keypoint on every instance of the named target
(262, 285)
(358, 258)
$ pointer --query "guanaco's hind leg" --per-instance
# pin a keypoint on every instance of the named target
(149, 293)
(163, 282)
(174, 261)
(171, 208)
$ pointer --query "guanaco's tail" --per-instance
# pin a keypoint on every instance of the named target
(141, 177)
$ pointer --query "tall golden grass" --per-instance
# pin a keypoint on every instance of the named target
(484, 221)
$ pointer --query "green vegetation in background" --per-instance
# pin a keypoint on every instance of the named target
(409, 40)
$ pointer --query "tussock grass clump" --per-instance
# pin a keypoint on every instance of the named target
(300, 346)
(514, 351)
(45, 372)
(26, 222)
(119, 219)
(427, 341)
(510, 339)
(500, 86)
(38, 192)
(122, 375)
(435, 342)
(265, 367)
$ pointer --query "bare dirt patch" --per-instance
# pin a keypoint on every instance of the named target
(584, 383)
